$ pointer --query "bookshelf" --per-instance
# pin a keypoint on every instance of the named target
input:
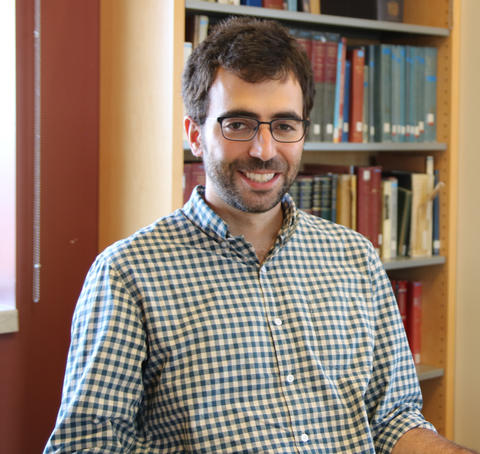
(140, 167)
(426, 23)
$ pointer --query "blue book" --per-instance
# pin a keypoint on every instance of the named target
(398, 93)
(339, 89)
(292, 5)
(419, 63)
(411, 109)
(430, 94)
(251, 3)
(346, 101)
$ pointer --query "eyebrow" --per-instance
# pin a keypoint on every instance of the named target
(250, 114)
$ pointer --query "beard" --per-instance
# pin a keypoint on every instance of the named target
(223, 176)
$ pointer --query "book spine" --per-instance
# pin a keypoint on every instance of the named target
(318, 64)
(383, 93)
(371, 92)
(346, 102)
(430, 93)
(414, 319)
(330, 78)
(419, 63)
(401, 294)
(356, 102)
(436, 217)
(411, 110)
(339, 91)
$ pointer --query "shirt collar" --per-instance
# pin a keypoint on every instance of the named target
(197, 210)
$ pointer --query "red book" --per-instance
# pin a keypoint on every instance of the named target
(275, 4)
(401, 295)
(414, 318)
(369, 203)
(330, 79)
(357, 57)
(193, 175)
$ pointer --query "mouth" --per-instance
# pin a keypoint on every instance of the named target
(260, 177)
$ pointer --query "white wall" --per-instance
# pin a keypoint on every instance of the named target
(467, 385)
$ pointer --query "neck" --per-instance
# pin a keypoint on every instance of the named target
(259, 229)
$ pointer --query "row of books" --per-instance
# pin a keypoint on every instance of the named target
(389, 10)
(307, 6)
(398, 211)
(371, 93)
(409, 299)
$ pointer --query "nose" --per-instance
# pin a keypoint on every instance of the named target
(263, 144)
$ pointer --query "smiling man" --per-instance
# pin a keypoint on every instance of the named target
(239, 323)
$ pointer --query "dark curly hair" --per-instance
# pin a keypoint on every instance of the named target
(255, 50)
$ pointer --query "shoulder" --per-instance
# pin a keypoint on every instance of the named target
(321, 229)
(164, 234)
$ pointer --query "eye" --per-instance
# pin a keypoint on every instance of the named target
(286, 125)
(238, 124)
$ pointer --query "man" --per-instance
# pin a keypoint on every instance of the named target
(239, 324)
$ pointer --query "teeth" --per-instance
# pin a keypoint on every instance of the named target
(260, 177)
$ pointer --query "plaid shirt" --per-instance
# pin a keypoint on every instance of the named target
(183, 342)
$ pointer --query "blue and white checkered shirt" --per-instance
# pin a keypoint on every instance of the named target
(183, 342)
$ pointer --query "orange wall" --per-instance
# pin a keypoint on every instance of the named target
(32, 361)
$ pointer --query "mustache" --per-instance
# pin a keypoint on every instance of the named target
(252, 164)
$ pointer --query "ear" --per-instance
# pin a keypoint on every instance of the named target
(193, 136)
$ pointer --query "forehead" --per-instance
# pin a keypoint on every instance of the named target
(267, 98)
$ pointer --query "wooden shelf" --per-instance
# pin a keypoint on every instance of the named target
(203, 7)
(426, 372)
(407, 262)
(375, 146)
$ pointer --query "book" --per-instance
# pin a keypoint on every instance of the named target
(421, 223)
(383, 92)
(346, 200)
(258, 3)
(411, 109)
(193, 175)
(369, 201)
(419, 90)
(200, 28)
(346, 103)
(329, 83)
(430, 93)
(356, 95)
(339, 91)
(401, 290)
(414, 319)
(421, 189)
(398, 93)
(389, 218)
(436, 215)
(403, 216)
(387, 10)
(318, 63)
(371, 92)
(274, 4)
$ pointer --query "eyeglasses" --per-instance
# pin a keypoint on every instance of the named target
(243, 129)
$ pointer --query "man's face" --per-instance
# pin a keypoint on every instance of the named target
(249, 176)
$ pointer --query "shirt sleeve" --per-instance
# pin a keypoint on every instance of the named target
(393, 399)
(103, 380)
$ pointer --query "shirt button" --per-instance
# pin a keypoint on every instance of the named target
(290, 378)
(304, 438)
(277, 321)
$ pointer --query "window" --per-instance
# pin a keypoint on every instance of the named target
(7, 167)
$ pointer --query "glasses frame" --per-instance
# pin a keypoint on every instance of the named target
(306, 124)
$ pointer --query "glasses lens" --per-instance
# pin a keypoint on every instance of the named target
(287, 130)
(237, 128)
